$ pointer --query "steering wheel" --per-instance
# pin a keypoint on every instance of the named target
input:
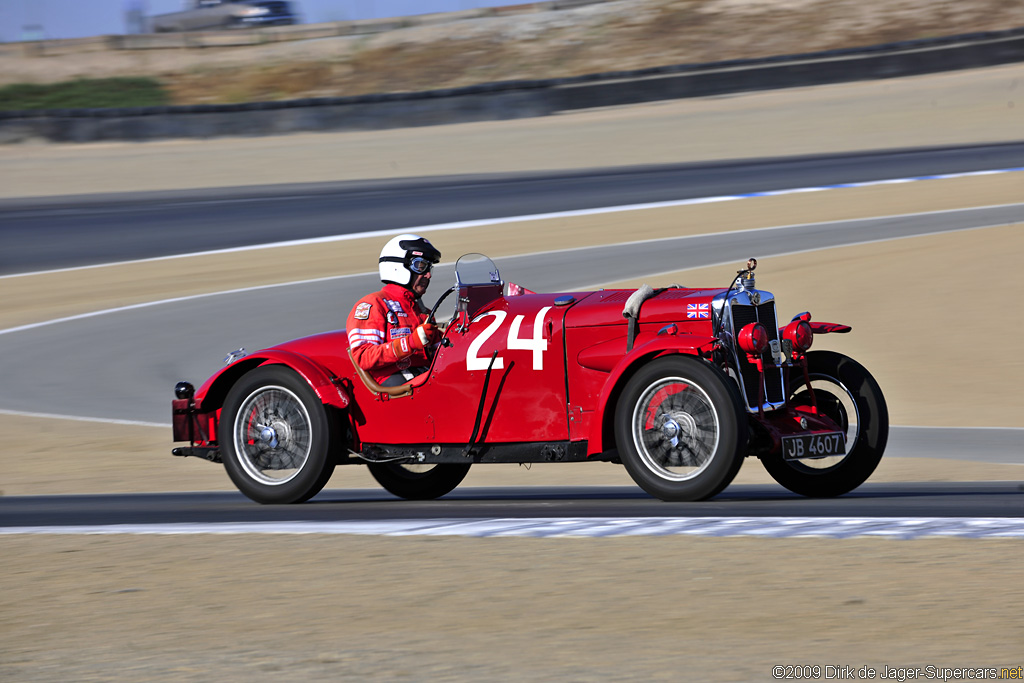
(437, 304)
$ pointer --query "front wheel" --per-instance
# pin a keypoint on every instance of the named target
(847, 393)
(276, 437)
(680, 429)
(418, 482)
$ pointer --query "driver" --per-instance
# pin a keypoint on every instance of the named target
(388, 332)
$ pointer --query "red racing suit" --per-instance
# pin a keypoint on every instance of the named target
(377, 319)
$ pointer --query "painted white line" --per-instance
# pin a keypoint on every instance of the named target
(76, 418)
(834, 225)
(161, 302)
(809, 250)
(902, 528)
(532, 217)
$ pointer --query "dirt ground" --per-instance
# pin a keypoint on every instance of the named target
(612, 36)
(976, 106)
(342, 607)
(335, 608)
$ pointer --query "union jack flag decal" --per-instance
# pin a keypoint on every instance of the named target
(698, 311)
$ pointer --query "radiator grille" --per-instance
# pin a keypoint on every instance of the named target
(773, 389)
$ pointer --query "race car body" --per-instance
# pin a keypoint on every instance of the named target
(677, 384)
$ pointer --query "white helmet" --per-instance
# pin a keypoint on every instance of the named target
(405, 256)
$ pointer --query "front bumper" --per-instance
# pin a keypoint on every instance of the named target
(768, 431)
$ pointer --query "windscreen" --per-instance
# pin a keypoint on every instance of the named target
(476, 269)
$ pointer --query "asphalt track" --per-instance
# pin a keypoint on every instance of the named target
(124, 364)
(121, 365)
(887, 500)
(51, 233)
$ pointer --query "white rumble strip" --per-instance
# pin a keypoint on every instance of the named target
(902, 528)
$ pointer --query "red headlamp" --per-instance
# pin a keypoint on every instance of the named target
(799, 334)
(753, 338)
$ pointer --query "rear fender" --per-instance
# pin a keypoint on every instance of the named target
(327, 387)
(602, 436)
(316, 375)
(210, 396)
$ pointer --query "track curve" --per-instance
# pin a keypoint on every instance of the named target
(122, 365)
(77, 231)
(91, 366)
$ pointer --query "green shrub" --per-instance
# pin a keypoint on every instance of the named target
(84, 93)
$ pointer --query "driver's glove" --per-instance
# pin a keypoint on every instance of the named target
(420, 339)
(425, 335)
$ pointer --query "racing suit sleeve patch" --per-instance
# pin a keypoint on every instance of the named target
(362, 311)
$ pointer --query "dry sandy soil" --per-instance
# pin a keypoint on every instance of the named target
(337, 607)
(611, 36)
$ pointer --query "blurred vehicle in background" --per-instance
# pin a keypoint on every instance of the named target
(221, 14)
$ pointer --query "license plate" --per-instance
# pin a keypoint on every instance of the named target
(819, 445)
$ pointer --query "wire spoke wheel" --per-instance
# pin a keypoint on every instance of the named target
(272, 435)
(675, 428)
(277, 439)
(680, 428)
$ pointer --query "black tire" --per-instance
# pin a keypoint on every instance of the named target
(275, 437)
(680, 429)
(418, 482)
(847, 393)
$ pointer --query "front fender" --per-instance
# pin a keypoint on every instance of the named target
(601, 427)
(829, 328)
(819, 327)
(211, 395)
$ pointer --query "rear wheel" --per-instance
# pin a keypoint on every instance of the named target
(418, 482)
(680, 429)
(275, 437)
(847, 393)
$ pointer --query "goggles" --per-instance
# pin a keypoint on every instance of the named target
(420, 265)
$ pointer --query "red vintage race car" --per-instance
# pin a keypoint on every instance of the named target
(676, 384)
